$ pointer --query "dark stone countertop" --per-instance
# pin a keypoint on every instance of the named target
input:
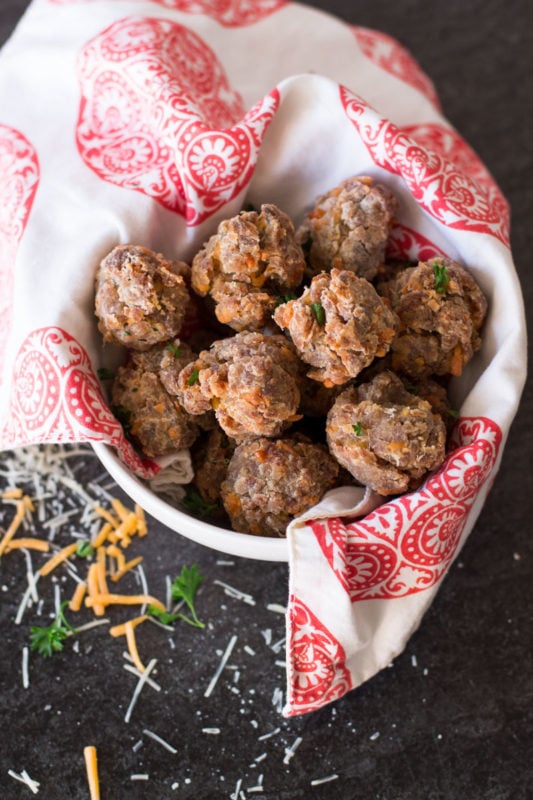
(451, 718)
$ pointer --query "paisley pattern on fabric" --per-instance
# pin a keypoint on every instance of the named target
(56, 397)
(442, 188)
(319, 673)
(407, 544)
(19, 179)
(158, 116)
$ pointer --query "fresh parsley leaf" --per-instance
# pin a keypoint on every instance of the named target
(165, 617)
(105, 374)
(357, 428)
(196, 505)
(174, 349)
(193, 377)
(319, 313)
(184, 588)
(123, 415)
(441, 277)
(84, 549)
(286, 298)
(48, 641)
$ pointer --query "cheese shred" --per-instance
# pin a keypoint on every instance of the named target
(58, 559)
(91, 765)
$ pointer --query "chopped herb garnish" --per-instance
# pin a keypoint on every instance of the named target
(165, 617)
(174, 349)
(286, 298)
(105, 374)
(48, 641)
(84, 549)
(123, 415)
(319, 313)
(184, 587)
(357, 429)
(193, 377)
(441, 277)
(453, 413)
(196, 505)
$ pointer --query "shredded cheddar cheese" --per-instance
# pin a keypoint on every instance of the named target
(78, 596)
(122, 599)
(127, 629)
(126, 568)
(54, 562)
(91, 765)
(28, 542)
(22, 505)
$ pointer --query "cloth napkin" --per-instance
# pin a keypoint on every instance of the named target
(149, 122)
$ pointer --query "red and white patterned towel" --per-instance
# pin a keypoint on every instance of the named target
(149, 122)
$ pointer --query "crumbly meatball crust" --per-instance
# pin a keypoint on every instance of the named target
(247, 264)
(154, 418)
(348, 227)
(251, 382)
(338, 325)
(141, 297)
(386, 437)
(269, 482)
(440, 318)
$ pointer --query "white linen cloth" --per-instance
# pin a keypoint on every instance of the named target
(149, 122)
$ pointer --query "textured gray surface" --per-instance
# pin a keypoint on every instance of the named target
(453, 713)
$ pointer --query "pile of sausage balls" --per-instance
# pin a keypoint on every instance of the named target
(290, 361)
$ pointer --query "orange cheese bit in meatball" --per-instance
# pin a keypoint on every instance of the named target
(251, 260)
(269, 482)
(441, 310)
(348, 227)
(250, 380)
(338, 325)
(141, 298)
(386, 437)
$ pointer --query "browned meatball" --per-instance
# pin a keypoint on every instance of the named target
(441, 310)
(348, 227)
(251, 260)
(141, 298)
(338, 326)
(150, 415)
(385, 436)
(270, 482)
(250, 380)
(210, 457)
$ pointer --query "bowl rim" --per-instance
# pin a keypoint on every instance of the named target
(244, 545)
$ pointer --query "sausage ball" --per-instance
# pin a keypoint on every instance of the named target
(386, 437)
(210, 458)
(348, 227)
(441, 310)
(141, 298)
(150, 415)
(251, 260)
(250, 380)
(338, 325)
(270, 482)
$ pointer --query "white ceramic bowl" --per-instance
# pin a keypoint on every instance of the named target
(227, 541)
